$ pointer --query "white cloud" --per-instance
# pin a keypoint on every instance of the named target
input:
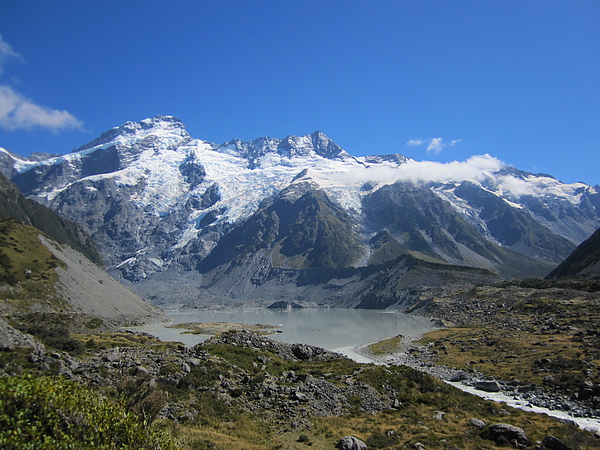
(514, 185)
(435, 146)
(6, 53)
(476, 168)
(17, 112)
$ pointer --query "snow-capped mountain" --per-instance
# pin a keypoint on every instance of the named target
(258, 219)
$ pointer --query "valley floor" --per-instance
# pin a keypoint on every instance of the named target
(536, 342)
(241, 390)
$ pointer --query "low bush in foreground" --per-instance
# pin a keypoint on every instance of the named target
(49, 413)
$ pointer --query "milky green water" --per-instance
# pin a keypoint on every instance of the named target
(333, 329)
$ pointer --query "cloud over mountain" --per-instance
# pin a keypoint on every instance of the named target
(476, 168)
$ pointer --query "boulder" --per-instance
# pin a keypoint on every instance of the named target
(553, 443)
(350, 443)
(488, 386)
(460, 376)
(477, 423)
(301, 351)
(503, 433)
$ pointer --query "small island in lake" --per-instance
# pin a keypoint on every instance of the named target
(214, 328)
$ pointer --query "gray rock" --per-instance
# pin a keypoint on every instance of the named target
(300, 396)
(350, 443)
(526, 388)
(488, 386)
(11, 338)
(112, 355)
(303, 352)
(477, 423)
(460, 376)
(503, 433)
(553, 443)
(141, 370)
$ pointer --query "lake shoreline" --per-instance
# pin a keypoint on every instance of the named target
(329, 328)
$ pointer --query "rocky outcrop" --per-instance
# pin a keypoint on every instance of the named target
(11, 338)
(288, 351)
(288, 396)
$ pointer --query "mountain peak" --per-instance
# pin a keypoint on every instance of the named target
(167, 128)
(318, 143)
(305, 146)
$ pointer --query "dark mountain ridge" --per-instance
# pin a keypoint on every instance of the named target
(584, 261)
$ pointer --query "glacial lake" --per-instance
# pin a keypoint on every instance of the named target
(339, 330)
(335, 329)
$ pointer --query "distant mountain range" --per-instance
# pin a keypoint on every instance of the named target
(185, 221)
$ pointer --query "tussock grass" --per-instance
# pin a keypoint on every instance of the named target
(516, 355)
(23, 256)
(386, 346)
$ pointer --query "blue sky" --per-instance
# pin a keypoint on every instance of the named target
(433, 80)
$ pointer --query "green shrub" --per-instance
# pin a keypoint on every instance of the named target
(55, 336)
(49, 413)
(303, 438)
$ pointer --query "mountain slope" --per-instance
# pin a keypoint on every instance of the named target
(211, 219)
(585, 260)
(39, 275)
(428, 226)
(13, 205)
